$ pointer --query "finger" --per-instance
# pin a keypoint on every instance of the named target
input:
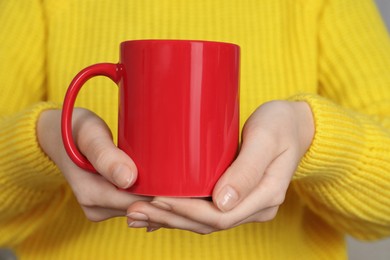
(198, 210)
(153, 227)
(257, 152)
(269, 193)
(262, 216)
(271, 190)
(95, 142)
(160, 217)
(150, 226)
(99, 192)
(205, 212)
(260, 205)
(97, 214)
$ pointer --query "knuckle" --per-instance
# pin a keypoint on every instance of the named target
(85, 198)
(92, 216)
(101, 158)
(252, 130)
(93, 143)
(222, 224)
(205, 231)
(278, 199)
(98, 152)
(86, 201)
(248, 176)
(267, 216)
(271, 214)
(271, 139)
(140, 206)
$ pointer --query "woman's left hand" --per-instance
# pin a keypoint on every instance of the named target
(274, 139)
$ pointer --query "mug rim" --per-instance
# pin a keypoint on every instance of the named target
(127, 42)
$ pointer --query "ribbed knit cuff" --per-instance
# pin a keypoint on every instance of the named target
(338, 140)
(347, 165)
(31, 184)
(22, 161)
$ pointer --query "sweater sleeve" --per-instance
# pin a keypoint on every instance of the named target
(345, 175)
(30, 183)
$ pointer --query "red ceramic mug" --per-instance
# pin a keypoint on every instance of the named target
(178, 113)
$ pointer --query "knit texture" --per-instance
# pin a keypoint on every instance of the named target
(332, 54)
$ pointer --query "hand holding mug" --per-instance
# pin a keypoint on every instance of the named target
(97, 194)
(275, 138)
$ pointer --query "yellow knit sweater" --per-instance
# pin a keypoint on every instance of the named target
(333, 54)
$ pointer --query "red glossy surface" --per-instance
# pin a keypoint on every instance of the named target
(112, 71)
(178, 113)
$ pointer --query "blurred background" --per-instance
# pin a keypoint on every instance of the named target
(384, 7)
(379, 250)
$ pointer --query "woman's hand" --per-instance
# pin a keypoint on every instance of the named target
(97, 194)
(274, 140)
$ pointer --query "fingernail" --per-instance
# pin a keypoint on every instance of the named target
(137, 216)
(122, 176)
(161, 205)
(227, 199)
(138, 224)
(151, 229)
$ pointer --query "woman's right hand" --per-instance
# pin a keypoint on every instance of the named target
(97, 194)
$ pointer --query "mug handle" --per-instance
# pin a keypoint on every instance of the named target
(110, 70)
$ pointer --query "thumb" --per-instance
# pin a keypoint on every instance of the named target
(95, 141)
(244, 174)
